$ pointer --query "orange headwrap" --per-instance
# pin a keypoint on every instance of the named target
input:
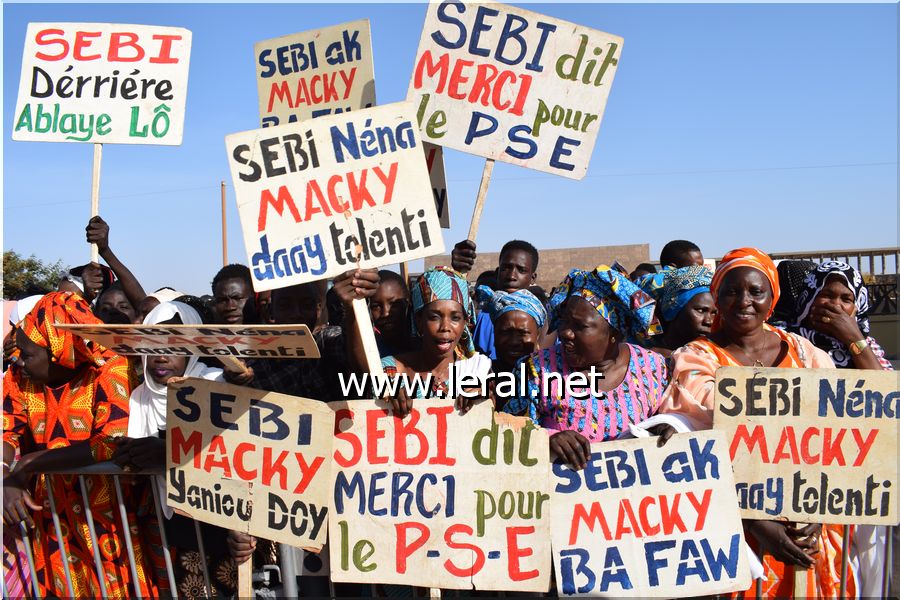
(746, 257)
(66, 349)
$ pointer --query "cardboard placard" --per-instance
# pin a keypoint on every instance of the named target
(812, 445)
(315, 73)
(314, 195)
(250, 460)
(103, 83)
(643, 521)
(434, 157)
(512, 85)
(239, 341)
(439, 499)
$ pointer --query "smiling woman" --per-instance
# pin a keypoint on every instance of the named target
(746, 288)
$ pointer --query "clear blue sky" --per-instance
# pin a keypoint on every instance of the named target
(712, 109)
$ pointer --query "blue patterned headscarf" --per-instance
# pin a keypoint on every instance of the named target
(443, 283)
(623, 304)
(498, 303)
(677, 288)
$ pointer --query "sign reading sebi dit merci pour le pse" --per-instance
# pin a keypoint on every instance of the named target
(512, 85)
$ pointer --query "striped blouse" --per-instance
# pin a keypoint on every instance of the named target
(598, 418)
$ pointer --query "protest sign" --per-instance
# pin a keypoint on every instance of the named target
(434, 157)
(512, 85)
(103, 83)
(315, 196)
(241, 341)
(315, 73)
(250, 460)
(439, 499)
(644, 521)
(812, 445)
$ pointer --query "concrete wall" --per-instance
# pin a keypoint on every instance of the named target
(556, 263)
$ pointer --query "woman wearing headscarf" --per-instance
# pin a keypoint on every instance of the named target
(595, 313)
(442, 318)
(832, 312)
(65, 403)
(684, 305)
(518, 320)
(746, 288)
(144, 448)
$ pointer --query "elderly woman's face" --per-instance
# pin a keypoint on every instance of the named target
(515, 336)
(583, 333)
(441, 324)
(744, 300)
(35, 360)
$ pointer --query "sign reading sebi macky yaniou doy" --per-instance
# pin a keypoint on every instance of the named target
(316, 196)
(103, 83)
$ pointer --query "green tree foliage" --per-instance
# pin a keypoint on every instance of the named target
(21, 275)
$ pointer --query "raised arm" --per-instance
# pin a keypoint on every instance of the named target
(98, 233)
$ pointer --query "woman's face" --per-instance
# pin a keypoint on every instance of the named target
(389, 308)
(35, 360)
(695, 319)
(744, 300)
(163, 368)
(835, 294)
(114, 307)
(441, 324)
(515, 335)
(584, 334)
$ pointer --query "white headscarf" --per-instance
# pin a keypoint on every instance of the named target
(147, 405)
(166, 294)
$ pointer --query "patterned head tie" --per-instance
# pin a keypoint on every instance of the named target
(497, 303)
(444, 283)
(626, 307)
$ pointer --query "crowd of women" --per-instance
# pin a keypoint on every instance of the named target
(657, 335)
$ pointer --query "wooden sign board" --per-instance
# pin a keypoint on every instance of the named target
(812, 445)
(315, 73)
(434, 157)
(512, 85)
(315, 195)
(103, 83)
(643, 521)
(439, 499)
(250, 461)
(239, 341)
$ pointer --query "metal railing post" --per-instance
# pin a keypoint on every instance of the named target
(59, 536)
(26, 541)
(92, 532)
(203, 564)
(126, 529)
(161, 519)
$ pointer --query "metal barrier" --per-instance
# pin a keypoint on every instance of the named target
(286, 553)
(107, 469)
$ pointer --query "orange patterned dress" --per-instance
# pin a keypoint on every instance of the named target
(92, 408)
(691, 394)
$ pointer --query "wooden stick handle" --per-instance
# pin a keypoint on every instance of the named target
(95, 193)
(367, 336)
(233, 362)
(482, 195)
(245, 579)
